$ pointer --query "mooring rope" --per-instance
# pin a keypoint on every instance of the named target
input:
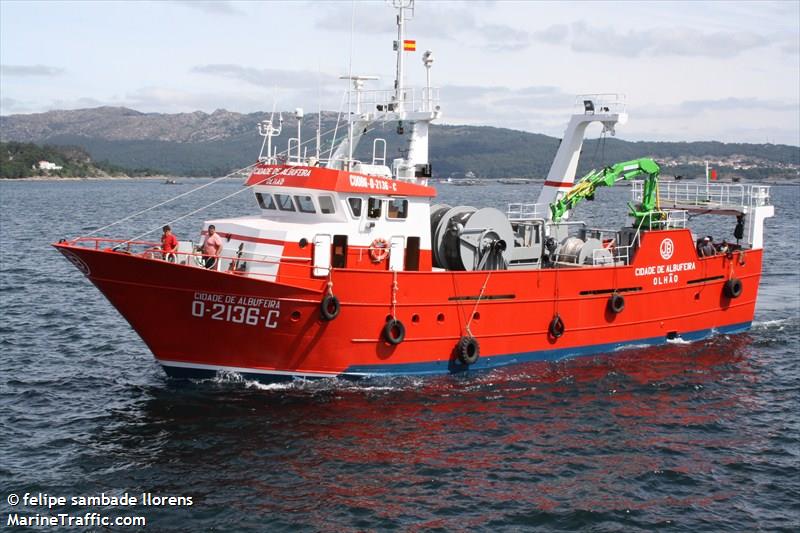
(475, 307)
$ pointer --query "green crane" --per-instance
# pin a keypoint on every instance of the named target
(647, 211)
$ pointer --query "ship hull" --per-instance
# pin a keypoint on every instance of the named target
(198, 323)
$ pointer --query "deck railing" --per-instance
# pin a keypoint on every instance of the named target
(711, 195)
(522, 211)
(235, 264)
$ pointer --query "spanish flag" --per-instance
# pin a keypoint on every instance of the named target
(409, 45)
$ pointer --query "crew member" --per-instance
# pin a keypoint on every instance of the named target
(707, 249)
(212, 247)
(169, 244)
(738, 231)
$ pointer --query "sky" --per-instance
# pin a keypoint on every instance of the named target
(726, 71)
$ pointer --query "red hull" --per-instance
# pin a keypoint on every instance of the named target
(197, 321)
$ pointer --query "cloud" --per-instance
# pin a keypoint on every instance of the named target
(540, 109)
(736, 104)
(685, 42)
(218, 7)
(12, 105)
(450, 21)
(266, 77)
(791, 47)
(30, 70)
(502, 38)
(693, 108)
(552, 34)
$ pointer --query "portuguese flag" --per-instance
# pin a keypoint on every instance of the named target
(409, 45)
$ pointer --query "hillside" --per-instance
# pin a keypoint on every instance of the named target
(24, 160)
(198, 144)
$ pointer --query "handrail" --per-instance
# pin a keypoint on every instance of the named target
(720, 195)
(151, 250)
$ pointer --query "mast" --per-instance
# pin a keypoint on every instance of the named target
(401, 6)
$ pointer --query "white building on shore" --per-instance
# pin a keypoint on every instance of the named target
(47, 165)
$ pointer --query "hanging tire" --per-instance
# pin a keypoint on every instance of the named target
(556, 327)
(330, 307)
(616, 303)
(733, 288)
(468, 350)
(394, 331)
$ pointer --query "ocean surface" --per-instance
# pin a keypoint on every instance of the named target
(684, 437)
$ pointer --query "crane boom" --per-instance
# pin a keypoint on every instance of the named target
(608, 176)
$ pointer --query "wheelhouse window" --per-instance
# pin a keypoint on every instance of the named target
(305, 204)
(355, 206)
(284, 202)
(326, 205)
(265, 201)
(374, 208)
(398, 208)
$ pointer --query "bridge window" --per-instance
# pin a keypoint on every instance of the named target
(374, 208)
(326, 205)
(284, 202)
(265, 201)
(305, 204)
(398, 208)
(355, 206)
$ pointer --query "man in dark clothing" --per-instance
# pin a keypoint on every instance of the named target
(707, 249)
(738, 231)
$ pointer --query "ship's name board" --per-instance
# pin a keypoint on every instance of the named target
(664, 274)
(237, 309)
(273, 171)
(373, 184)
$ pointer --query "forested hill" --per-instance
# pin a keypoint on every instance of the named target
(23, 160)
(205, 144)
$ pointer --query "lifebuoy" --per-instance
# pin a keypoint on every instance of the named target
(556, 327)
(378, 250)
(394, 331)
(330, 307)
(616, 303)
(733, 288)
(468, 350)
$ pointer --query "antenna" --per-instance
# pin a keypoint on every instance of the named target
(349, 104)
(319, 108)
(427, 60)
(268, 131)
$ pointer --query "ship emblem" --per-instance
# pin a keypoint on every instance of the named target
(79, 263)
(667, 248)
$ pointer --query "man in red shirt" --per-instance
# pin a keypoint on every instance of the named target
(212, 247)
(169, 244)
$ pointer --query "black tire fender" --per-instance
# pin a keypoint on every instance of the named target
(468, 350)
(394, 332)
(733, 288)
(329, 307)
(616, 303)
(556, 328)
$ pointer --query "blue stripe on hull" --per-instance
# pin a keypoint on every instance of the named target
(450, 367)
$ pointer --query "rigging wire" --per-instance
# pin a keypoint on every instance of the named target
(215, 202)
(200, 187)
(98, 230)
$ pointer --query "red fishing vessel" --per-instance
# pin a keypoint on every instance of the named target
(351, 270)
